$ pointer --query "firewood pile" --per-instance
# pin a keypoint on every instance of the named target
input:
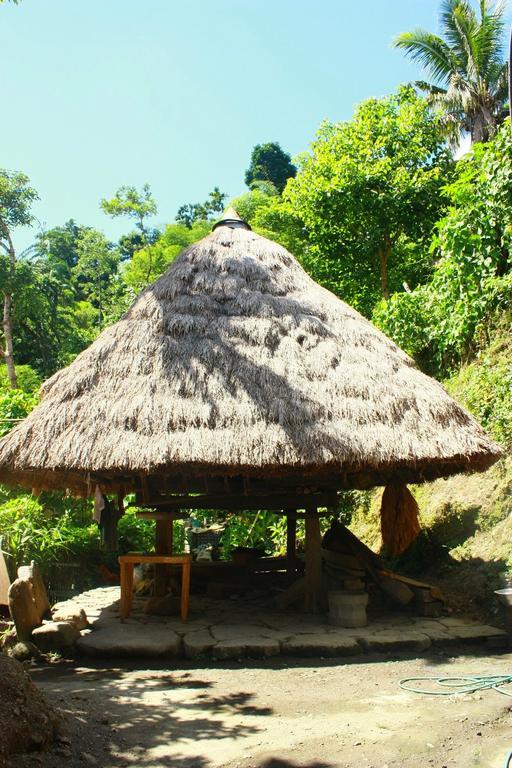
(350, 565)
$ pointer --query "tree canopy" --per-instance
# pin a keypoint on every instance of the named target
(467, 65)
(369, 193)
(269, 163)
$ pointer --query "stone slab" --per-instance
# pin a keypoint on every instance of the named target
(256, 647)
(476, 632)
(240, 631)
(198, 643)
(395, 640)
(327, 644)
(137, 639)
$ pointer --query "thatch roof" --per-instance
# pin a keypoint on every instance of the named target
(235, 362)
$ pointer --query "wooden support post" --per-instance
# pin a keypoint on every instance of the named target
(313, 572)
(163, 546)
(291, 540)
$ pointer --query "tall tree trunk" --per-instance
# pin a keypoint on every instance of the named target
(384, 254)
(7, 320)
(8, 351)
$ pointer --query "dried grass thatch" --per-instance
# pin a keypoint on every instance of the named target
(235, 362)
(399, 523)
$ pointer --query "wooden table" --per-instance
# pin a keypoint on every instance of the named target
(127, 562)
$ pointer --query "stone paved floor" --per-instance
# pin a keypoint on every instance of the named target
(233, 629)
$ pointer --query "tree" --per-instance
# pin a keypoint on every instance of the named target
(269, 163)
(369, 193)
(128, 201)
(150, 262)
(16, 198)
(469, 74)
(190, 213)
(445, 321)
(96, 270)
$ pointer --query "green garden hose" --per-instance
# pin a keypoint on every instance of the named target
(454, 685)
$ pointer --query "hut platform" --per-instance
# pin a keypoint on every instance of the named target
(220, 629)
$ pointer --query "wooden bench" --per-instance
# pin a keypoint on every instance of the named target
(127, 562)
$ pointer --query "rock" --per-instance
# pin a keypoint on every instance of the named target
(55, 636)
(258, 647)
(23, 608)
(32, 573)
(395, 640)
(240, 632)
(72, 614)
(130, 640)
(476, 632)
(169, 605)
(327, 644)
(24, 651)
(198, 643)
(28, 721)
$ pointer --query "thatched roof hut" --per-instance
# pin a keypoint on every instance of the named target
(236, 364)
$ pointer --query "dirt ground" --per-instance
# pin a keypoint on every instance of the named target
(275, 714)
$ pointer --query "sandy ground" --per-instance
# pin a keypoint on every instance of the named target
(276, 714)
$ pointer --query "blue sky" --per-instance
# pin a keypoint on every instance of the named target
(99, 93)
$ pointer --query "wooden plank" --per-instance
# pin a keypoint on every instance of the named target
(5, 581)
(239, 501)
(313, 573)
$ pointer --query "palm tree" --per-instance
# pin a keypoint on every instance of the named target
(469, 74)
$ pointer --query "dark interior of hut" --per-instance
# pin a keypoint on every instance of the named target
(335, 572)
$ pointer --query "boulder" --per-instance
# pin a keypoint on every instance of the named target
(23, 651)
(23, 608)
(32, 573)
(71, 614)
(55, 636)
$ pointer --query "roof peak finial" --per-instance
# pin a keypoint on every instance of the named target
(230, 218)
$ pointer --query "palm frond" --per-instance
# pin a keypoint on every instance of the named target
(457, 18)
(490, 37)
(429, 50)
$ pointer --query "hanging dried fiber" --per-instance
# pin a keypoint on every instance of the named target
(399, 524)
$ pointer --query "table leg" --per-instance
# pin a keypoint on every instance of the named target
(185, 590)
(126, 589)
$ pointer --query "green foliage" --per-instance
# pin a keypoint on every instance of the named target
(16, 198)
(194, 213)
(369, 194)
(149, 263)
(269, 164)
(128, 201)
(485, 387)
(14, 405)
(95, 272)
(28, 379)
(467, 66)
(446, 321)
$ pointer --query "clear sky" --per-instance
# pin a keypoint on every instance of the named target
(99, 93)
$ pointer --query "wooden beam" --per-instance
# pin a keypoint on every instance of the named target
(239, 501)
(313, 572)
(291, 540)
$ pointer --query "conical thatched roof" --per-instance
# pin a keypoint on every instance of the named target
(235, 362)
